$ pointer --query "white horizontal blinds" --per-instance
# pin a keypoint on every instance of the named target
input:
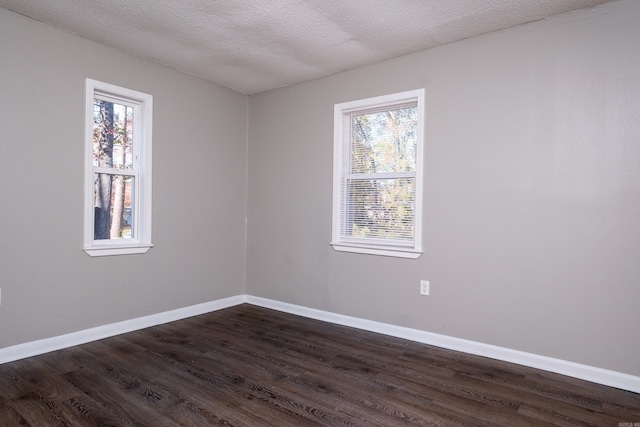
(379, 175)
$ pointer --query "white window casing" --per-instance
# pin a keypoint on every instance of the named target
(136, 172)
(378, 175)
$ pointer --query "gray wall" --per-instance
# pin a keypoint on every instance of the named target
(49, 285)
(532, 192)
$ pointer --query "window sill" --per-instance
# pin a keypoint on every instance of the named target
(389, 251)
(117, 250)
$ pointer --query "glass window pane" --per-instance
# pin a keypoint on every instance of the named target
(112, 135)
(384, 141)
(113, 202)
(380, 208)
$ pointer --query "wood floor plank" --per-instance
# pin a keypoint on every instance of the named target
(10, 416)
(204, 383)
(285, 389)
(287, 368)
(250, 366)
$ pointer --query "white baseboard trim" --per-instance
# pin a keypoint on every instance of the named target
(576, 370)
(33, 348)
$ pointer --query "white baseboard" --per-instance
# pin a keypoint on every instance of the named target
(33, 348)
(576, 370)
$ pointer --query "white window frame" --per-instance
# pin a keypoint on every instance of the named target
(412, 249)
(143, 112)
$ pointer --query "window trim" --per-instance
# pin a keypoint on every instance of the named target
(339, 243)
(143, 108)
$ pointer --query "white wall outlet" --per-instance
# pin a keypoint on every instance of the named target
(424, 287)
(0, 296)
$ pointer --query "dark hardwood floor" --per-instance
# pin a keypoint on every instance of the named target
(250, 366)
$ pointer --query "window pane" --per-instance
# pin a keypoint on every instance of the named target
(384, 141)
(113, 201)
(381, 209)
(112, 135)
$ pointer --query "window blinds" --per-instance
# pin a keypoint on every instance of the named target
(378, 182)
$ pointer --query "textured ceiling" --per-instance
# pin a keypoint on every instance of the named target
(252, 45)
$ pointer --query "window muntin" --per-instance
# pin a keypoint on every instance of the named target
(377, 175)
(118, 179)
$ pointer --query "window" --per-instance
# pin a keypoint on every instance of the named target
(377, 180)
(117, 217)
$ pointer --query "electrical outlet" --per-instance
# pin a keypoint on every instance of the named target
(0, 296)
(424, 287)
